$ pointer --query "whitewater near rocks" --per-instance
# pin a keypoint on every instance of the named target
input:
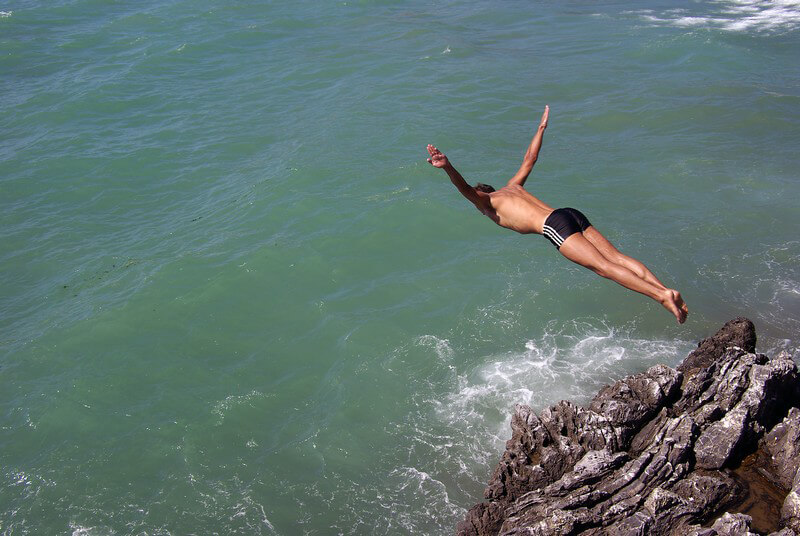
(658, 453)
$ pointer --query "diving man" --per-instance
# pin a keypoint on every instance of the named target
(567, 229)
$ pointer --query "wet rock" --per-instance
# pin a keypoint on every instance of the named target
(782, 445)
(790, 513)
(727, 525)
(739, 332)
(483, 518)
(783, 532)
(652, 453)
(749, 412)
(632, 402)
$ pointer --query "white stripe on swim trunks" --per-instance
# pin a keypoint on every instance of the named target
(554, 241)
(552, 234)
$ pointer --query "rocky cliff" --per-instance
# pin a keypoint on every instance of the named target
(710, 448)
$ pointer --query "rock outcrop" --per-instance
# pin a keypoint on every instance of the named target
(656, 453)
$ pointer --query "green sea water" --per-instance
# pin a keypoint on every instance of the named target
(235, 299)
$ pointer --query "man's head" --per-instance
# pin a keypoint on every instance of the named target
(484, 188)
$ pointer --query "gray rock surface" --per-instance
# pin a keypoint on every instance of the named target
(726, 525)
(782, 445)
(652, 454)
(790, 513)
(739, 332)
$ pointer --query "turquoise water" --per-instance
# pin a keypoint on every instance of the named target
(235, 299)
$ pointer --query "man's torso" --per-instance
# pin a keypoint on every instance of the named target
(516, 209)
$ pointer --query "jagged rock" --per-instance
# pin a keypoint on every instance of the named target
(790, 513)
(768, 383)
(739, 332)
(650, 453)
(727, 525)
(782, 445)
(635, 400)
(783, 532)
(483, 518)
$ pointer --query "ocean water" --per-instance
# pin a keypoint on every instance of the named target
(235, 299)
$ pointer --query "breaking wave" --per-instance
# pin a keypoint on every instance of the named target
(732, 15)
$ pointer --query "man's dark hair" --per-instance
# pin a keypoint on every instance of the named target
(484, 188)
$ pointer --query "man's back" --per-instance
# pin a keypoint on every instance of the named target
(515, 208)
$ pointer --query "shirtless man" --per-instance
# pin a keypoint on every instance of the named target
(567, 229)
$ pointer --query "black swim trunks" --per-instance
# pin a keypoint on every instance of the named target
(563, 222)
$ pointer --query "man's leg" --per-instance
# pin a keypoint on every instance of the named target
(611, 253)
(579, 250)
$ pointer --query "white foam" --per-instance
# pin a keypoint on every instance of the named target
(732, 15)
(223, 406)
(572, 351)
(413, 484)
(445, 447)
(456, 436)
(692, 21)
(79, 530)
(571, 361)
(441, 346)
(244, 516)
(388, 195)
(789, 287)
(5, 14)
(771, 290)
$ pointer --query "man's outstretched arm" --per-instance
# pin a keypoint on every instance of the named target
(439, 160)
(532, 154)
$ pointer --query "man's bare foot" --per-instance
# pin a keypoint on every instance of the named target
(681, 304)
(673, 302)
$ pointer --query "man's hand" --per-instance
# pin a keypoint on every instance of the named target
(437, 159)
(545, 115)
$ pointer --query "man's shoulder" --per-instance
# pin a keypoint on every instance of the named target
(510, 190)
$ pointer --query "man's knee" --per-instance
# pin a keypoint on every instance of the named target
(605, 268)
(601, 267)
